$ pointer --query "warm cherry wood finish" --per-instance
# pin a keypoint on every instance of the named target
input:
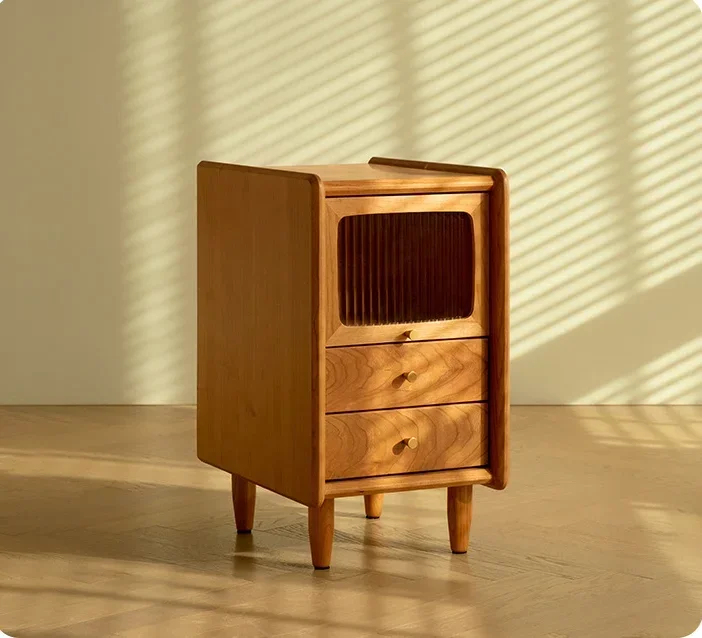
(407, 482)
(366, 303)
(498, 238)
(373, 504)
(499, 328)
(475, 205)
(259, 409)
(373, 377)
(244, 500)
(342, 180)
(320, 522)
(376, 443)
(459, 510)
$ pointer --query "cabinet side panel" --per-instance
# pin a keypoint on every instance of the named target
(258, 411)
(498, 349)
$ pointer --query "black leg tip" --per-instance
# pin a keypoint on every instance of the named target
(321, 569)
(372, 518)
(243, 531)
(455, 552)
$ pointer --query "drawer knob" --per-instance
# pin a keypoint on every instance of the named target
(412, 443)
(410, 334)
(411, 376)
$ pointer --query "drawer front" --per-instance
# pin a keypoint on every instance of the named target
(383, 442)
(378, 377)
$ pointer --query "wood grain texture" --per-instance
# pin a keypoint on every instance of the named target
(499, 330)
(407, 482)
(459, 510)
(373, 504)
(341, 180)
(477, 324)
(499, 305)
(320, 522)
(372, 377)
(259, 328)
(244, 501)
(373, 443)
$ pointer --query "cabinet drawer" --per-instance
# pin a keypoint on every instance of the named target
(378, 377)
(382, 442)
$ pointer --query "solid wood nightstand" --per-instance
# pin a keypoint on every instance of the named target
(353, 334)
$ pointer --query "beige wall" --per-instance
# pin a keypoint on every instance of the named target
(593, 106)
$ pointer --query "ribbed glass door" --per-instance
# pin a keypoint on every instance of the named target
(405, 267)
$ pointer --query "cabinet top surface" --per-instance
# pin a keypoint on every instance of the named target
(375, 179)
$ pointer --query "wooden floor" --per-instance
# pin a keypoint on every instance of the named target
(109, 526)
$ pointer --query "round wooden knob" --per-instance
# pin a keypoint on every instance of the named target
(411, 376)
(411, 443)
(410, 334)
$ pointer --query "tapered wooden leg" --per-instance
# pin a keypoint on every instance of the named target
(374, 505)
(244, 498)
(321, 530)
(460, 512)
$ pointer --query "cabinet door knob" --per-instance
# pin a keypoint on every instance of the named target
(411, 376)
(412, 443)
(410, 334)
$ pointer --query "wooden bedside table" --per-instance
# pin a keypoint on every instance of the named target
(353, 334)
